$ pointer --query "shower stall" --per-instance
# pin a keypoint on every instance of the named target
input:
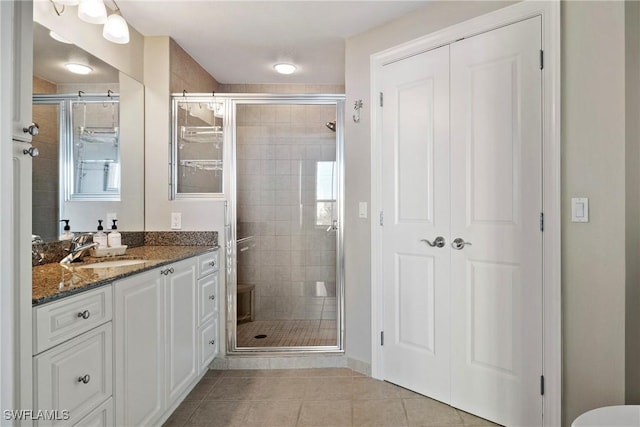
(285, 241)
(279, 170)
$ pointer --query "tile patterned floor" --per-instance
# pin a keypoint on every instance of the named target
(287, 333)
(309, 397)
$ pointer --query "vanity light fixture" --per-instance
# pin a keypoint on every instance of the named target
(92, 11)
(78, 68)
(284, 68)
(58, 37)
(116, 29)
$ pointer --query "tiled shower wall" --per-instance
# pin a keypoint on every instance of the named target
(291, 259)
(45, 189)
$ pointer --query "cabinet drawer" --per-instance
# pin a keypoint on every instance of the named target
(208, 298)
(75, 376)
(102, 416)
(207, 263)
(61, 320)
(208, 345)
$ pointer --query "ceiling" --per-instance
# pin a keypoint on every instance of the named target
(50, 56)
(239, 41)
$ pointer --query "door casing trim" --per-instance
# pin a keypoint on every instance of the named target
(551, 145)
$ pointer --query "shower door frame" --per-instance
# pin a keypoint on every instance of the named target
(233, 100)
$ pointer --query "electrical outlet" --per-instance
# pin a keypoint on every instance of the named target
(176, 220)
(110, 217)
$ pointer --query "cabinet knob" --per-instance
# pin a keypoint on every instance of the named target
(84, 314)
(32, 151)
(212, 297)
(84, 379)
(212, 264)
(32, 130)
(212, 342)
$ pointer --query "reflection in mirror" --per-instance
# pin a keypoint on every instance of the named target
(93, 153)
(86, 151)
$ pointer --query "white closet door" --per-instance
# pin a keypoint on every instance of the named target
(496, 199)
(415, 168)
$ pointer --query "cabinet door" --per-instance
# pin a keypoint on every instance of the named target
(207, 307)
(22, 69)
(181, 315)
(139, 349)
(208, 344)
(75, 376)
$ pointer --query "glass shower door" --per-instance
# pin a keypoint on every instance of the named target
(288, 286)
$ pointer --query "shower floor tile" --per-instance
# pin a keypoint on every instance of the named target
(287, 333)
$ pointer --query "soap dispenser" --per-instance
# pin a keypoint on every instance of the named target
(114, 237)
(66, 234)
(100, 237)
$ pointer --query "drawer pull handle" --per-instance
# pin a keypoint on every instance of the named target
(84, 379)
(212, 263)
(212, 297)
(212, 342)
(166, 271)
(84, 314)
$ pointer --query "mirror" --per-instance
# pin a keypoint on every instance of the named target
(91, 142)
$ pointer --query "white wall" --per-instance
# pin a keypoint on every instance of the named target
(197, 214)
(632, 155)
(593, 254)
(357, 243)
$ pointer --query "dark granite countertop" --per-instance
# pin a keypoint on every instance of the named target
(54, 281)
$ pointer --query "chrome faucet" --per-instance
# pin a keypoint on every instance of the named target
(36, 255)
(79, 245)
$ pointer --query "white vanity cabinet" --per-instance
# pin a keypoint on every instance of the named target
(73, 364)
(158, 330)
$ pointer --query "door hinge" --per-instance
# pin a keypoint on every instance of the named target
(541, 59)
(381, 337)
(541, 221)
(542, 385)
(381, 99)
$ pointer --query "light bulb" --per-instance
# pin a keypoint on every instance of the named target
(116, 29)
(78, 68)
(92, 11)
(285, 68)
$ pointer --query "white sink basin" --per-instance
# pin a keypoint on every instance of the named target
(113, 264)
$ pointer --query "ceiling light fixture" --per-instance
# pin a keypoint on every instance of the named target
(92, 11)
(58, 37)
(284, 68)
(116, 29)
(78, 68)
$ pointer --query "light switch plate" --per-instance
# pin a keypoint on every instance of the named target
(362, 210)
(580, 209)
(176, 220)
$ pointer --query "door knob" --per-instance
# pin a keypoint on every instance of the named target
(32, 151)
(459, 243)
(32, 130)
(438, 242)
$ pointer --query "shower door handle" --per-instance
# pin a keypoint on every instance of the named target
(333, 226)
